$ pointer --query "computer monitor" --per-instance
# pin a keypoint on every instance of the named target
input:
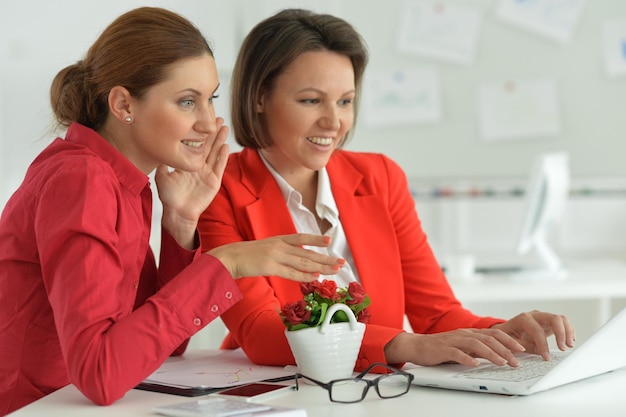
(545, 198)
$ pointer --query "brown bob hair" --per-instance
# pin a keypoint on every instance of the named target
(135, 52)
(270, 47)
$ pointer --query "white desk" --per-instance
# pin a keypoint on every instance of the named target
(593, 292)
(601, 396)
(588, 279)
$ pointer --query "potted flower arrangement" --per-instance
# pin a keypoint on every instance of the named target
(318, 297)
(325, 328)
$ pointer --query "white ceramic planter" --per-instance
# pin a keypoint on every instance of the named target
(328, 351)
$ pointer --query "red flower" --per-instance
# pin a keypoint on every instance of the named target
(328, 289)
(356, 293)
(295, 313)
(318, 296)
(325, 289)
(309, 287)
(364, 316)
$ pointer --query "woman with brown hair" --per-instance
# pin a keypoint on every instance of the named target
(82, 300)
(295, 92)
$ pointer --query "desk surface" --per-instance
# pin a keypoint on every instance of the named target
(586, 279)
(600, 396)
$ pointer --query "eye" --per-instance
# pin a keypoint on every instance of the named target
(187, 103)
(309, 101)
(213, 97)
(346, 102)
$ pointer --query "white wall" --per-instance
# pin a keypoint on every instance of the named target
(38, 37)
(592, 226)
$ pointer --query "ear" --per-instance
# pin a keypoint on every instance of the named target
(260, 103)
(120, 103)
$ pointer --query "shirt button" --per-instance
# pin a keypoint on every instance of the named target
(214, 308)
(197, 321)
(228, 295)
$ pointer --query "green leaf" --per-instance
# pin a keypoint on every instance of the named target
(340, 317)
(323, 308)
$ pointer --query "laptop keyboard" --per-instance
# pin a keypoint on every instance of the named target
(529, 367)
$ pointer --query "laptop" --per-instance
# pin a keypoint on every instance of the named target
(602, 352)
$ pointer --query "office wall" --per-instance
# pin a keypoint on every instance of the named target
(39, 37)
(591, 104)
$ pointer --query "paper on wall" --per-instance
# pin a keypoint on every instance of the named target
(401, 97)
(614, 37)
(439, 30)
(516, 110)
(555, 19)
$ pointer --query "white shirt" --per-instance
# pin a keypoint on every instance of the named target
(306, 222)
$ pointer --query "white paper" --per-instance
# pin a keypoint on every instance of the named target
(614, 36)
(435, 29)
(401, 97)
(518, 110)
(555, 19)
(221, 369)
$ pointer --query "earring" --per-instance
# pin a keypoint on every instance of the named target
(128, 119)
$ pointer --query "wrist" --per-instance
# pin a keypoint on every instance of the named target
(221, 253)
(397, 350)
(181, 229)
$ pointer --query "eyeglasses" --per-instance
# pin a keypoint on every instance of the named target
(352, 390)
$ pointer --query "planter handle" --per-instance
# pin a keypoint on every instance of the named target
(331, 312)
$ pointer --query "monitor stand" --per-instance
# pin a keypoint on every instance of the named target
(549, 267)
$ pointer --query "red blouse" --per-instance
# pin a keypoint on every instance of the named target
(81, 298)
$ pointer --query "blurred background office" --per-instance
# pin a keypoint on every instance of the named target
(463, 94)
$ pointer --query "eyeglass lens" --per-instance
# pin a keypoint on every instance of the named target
(352, 390)
(393, 385)
(348, 390)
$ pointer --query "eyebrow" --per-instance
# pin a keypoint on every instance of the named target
(317, 90)
(196, 92)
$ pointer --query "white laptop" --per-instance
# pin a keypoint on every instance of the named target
(603, 352)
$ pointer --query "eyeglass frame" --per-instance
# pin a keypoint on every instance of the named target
(370, 382)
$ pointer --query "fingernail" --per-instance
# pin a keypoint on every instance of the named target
(341, 261)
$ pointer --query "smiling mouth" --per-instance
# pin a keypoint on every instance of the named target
(192, 144)
(320, 141)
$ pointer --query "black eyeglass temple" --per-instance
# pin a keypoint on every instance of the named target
(320, 383)
(380, 364)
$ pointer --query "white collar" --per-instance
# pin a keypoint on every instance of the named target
(324, 202)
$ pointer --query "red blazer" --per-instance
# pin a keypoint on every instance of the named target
(394, 261)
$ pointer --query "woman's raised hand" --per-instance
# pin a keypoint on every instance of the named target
(282, 256)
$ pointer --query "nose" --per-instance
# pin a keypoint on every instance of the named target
(331, 118)
(206, 121)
